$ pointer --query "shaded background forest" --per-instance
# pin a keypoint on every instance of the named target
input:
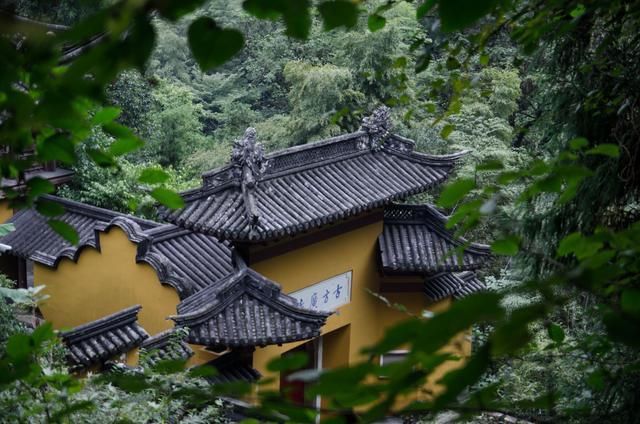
(515, 109)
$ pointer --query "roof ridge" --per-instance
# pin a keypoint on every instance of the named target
(165, 232)
(100, 325)
(96, 212)
(412, 213)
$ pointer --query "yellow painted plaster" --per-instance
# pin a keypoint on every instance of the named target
(367, 316)
(104, 282)
(6, 211)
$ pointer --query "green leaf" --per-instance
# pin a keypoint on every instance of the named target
(19, 296)
(6, 228)
(101, 158)
(490, 165)
(123, 146)
(630, 302)
(289, 362)
(65, 230)
(455, 191)
(508, 246)
(19, 347)
(49, 208)
(203, 371)
(556, 333)
(42, 333)
(295, 13)
(38, 186)
(132, 383)
(605, 149)
(582, 247)
(459, 14)
(376, 22)
(620, 329)
(153, 176)
(58, 147)
(424, 8)
(578, 11)
(105, 115)
(337, 13)
(168, 198)
(569, 244)
(211, 45)
(458, 380)
(484, 59)
(578, 143)
(595, 380)
(174, 10)
(446, 130)
(140, 41)
(169, 366)
(452, 63)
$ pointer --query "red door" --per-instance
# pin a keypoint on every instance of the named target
(294, 390)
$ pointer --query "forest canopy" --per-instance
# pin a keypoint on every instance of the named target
(141, 97)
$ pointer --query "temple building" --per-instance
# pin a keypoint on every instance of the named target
(274, 253)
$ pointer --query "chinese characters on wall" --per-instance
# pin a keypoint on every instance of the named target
(327, 295)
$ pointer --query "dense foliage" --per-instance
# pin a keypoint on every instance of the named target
(544, 94)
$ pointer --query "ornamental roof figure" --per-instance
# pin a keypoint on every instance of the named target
(304, 187)
(247, 158)
(377, 126)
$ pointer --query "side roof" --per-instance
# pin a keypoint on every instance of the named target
(98, 341)
(246, 309)
(414, 240)
(185, 260)
(458, 285)
(260, 197)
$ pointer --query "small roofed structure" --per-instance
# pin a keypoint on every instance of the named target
(246, 309)
(260, 197)
(99, 341)
(167, 345)
(232, 367)
(414, 240)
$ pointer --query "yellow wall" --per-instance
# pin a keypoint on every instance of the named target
(104, 282)
(367, 315)
(6, 211)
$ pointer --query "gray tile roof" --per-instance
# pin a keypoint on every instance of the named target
(232, 367)
(472, 284)
(260, 197)
(34, 239)
(414, 240)
(246, 309)
(185, 260)
(456, 285)
(101, 340)
(166, 345)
